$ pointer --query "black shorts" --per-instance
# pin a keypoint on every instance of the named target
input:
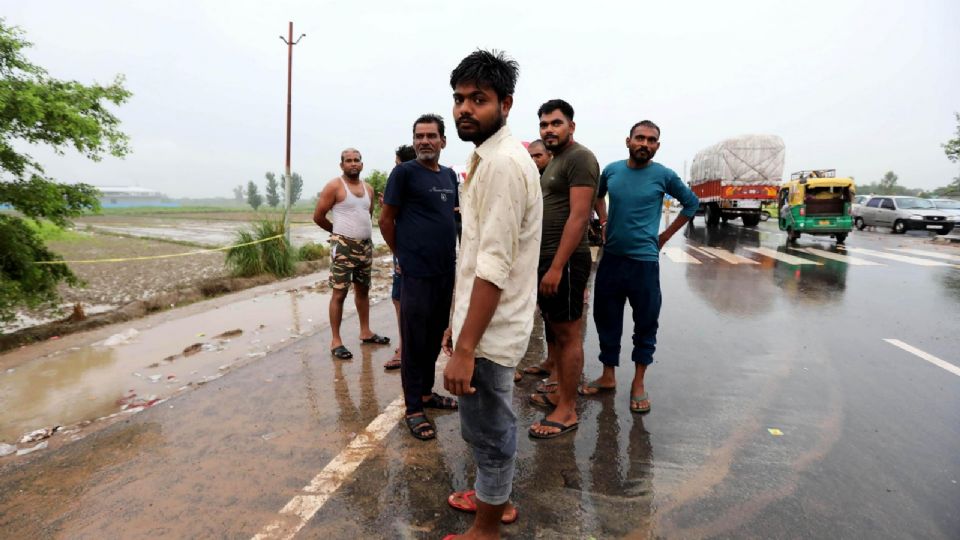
(567, 304)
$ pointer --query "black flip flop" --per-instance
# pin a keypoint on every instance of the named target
(375, 339)
(341, 353)
(419, 423)
(550, 423)
(541, 400)
(437, 401)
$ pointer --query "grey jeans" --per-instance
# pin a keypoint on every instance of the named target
(489, 426)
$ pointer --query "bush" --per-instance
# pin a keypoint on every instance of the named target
(313, 252)
(272, 256)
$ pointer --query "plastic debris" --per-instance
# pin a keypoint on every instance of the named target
(7, 449)
(25, 451)
(775, 432)
(271, 435)
(201, 334)
(119, 339)
(155, 378)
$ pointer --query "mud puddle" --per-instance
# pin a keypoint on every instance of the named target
(141, 365)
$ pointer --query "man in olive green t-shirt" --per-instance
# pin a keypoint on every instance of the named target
(569, 185)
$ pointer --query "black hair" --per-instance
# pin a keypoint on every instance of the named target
(538, 141)
(645, 123)
(430, 119)
(555, 104)
(492, 69)
(350, 150)
(405, 152)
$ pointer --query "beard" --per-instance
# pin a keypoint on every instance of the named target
(480, 132)
(427, 155)
(556, 147)
(352, 175)
(643, 155)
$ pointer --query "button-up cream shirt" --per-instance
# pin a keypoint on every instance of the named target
(502, 213)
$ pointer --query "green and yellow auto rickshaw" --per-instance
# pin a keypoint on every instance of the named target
(816, 202)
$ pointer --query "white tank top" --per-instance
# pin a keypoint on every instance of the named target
(351, 217)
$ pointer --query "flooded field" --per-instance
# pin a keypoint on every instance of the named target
(206, 232)
(109, 285)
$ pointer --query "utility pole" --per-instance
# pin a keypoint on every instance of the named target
(286, 173)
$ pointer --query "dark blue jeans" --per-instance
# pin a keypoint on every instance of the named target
(618, 280)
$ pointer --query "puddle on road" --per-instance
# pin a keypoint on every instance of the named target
(141, 364)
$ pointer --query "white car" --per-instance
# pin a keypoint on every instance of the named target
(858, 203)
(947, 206)
(904, 213)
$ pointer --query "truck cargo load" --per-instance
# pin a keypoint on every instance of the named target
(735, 177)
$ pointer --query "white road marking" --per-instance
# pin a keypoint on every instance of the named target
(926, 356)
(678, 255)
(934, 254)
(899, 258)
(728, 256)
(302, 507)
(855, 261)
(783, 257)
(702, 251)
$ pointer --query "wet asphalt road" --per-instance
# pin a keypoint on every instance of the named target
(868, 449)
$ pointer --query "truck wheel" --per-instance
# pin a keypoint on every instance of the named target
(712, 214)
(841, 238)
(750, 220)
(859, 224)
(899, 227)
(944, 232)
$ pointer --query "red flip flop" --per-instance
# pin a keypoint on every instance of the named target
(470, 507)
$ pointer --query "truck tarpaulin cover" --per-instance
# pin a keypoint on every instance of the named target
(748, 159)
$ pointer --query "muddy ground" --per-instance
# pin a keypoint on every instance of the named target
(117, 291)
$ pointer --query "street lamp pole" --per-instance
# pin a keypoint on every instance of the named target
(286, 173)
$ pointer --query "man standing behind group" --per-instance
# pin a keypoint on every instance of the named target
(351, 252)
(417, 222)
(540, 155)
(569, 185)
(496, 282)
(630, 267)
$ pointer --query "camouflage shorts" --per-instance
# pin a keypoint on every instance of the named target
(350, 261)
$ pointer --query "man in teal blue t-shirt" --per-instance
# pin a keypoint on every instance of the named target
(630, 266)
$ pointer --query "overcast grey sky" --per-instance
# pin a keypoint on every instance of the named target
(863, 87)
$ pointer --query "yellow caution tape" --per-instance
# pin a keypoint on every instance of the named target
(152, 257)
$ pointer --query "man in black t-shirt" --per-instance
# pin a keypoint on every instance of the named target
(569, 185)
(417, 222)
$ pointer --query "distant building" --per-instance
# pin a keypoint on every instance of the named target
(119, 197)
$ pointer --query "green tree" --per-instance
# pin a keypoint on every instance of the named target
(239, 194)
(273, 198)
(888, 184)
(378, 181)
(952, 147)
(254, 198)
(296, 188)
(37, 109)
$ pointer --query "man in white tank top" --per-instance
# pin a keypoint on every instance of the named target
(351, 250)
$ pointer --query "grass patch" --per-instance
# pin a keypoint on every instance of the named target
(313, 252)
(50, 232)
(273, 256)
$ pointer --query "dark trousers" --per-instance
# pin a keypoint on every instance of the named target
(618, 280)
(424, 315)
